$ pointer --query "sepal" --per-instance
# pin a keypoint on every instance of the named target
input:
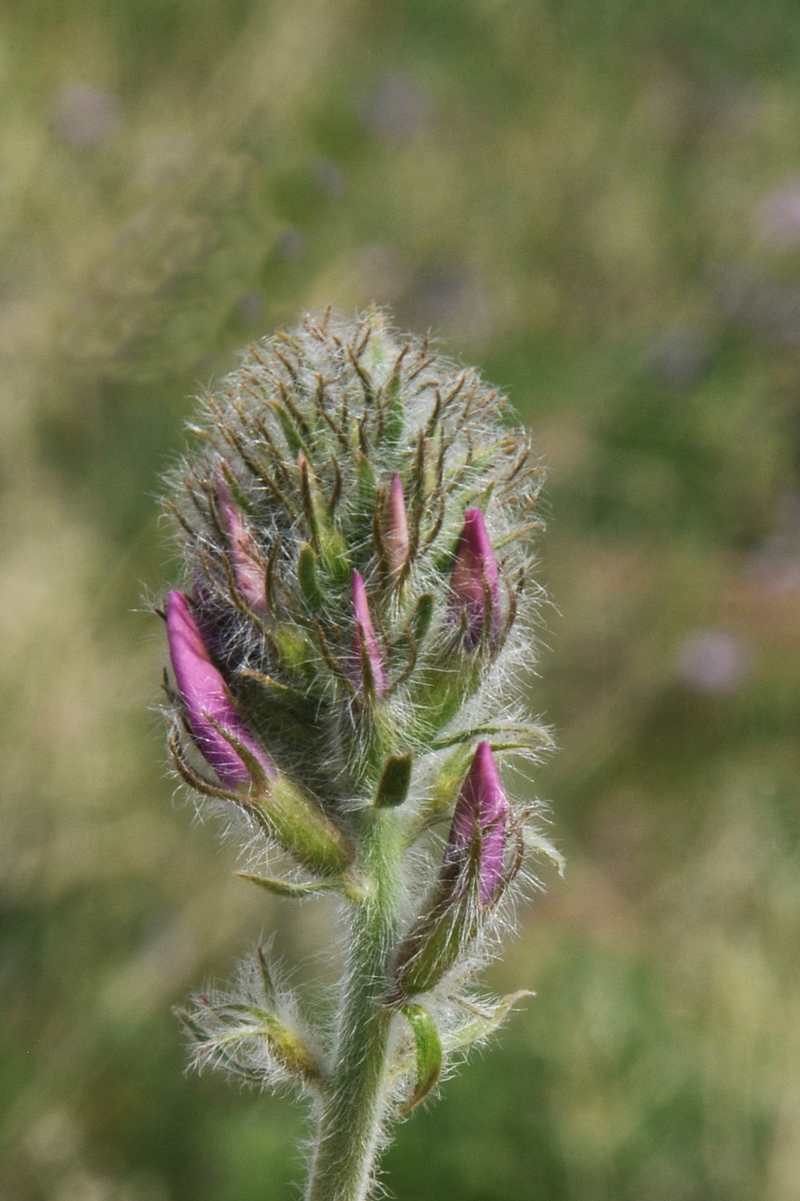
(282, 810)
(288, 888)
(542, 847)
(299, 825)
(483, 1022)
(250, 1040)
(299, 890)
(394, 783)
(429, 1055)
(308, 578)
(443, 791)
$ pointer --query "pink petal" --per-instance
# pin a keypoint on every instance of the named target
(365, 631)
(474, 576)
(205, 697)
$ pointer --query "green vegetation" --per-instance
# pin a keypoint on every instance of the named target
(598, 203)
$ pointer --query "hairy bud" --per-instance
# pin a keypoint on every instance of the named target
(248, 572)
(474, 584)
(210, 713)
(472, 877)
(395, 538)
(368, 664)
(478, 833)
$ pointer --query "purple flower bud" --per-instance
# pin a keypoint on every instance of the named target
(247, 570)
(395, 538)
(474, 584)
(206, 700)
(365, 645)
(479, 822)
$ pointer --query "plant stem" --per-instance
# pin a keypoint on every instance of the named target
(353, 1106)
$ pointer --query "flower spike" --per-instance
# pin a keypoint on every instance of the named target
(474, 583)
(337, 661)
(209, 711)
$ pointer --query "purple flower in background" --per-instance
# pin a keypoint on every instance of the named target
(712, 661)
(396, 537)
(397, 107)
(480, 818)
(205, 698)
(86, 116)
(778, 216)
(365, 643)
(248, 571)
(474, 584)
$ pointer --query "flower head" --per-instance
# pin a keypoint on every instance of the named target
(209, 710)
(348, 615)
(474, 583)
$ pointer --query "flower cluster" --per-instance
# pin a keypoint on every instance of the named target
(355, 524)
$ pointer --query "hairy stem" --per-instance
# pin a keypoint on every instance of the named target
(353, 1106)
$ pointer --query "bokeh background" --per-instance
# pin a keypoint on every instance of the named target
(598, 201)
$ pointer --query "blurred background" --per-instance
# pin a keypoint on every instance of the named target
(597, 202)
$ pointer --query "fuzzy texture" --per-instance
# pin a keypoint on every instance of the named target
(209, 712)
(474, 584)
(355, 522)
(479, 823)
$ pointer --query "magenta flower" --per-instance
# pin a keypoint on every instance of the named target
(479, 822)
(206, 700)
(474, 583)
(395, 539)
(365, 644)
(247, 570)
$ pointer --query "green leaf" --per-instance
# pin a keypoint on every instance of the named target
(536, 842)
(503, 736)
(285, 888)
(429, 1054)
(234, 1026)
(265, 971)
(394, 782)
(483, 1023)
(443, 791)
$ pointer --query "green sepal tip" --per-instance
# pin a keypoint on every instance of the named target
(394, 783)
(429, 1055)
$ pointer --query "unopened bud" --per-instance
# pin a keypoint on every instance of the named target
(472, 874)
(474, 583)
(478, 831)
(248, 571)
(395, 538)
(369, 671)
(210, 712)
